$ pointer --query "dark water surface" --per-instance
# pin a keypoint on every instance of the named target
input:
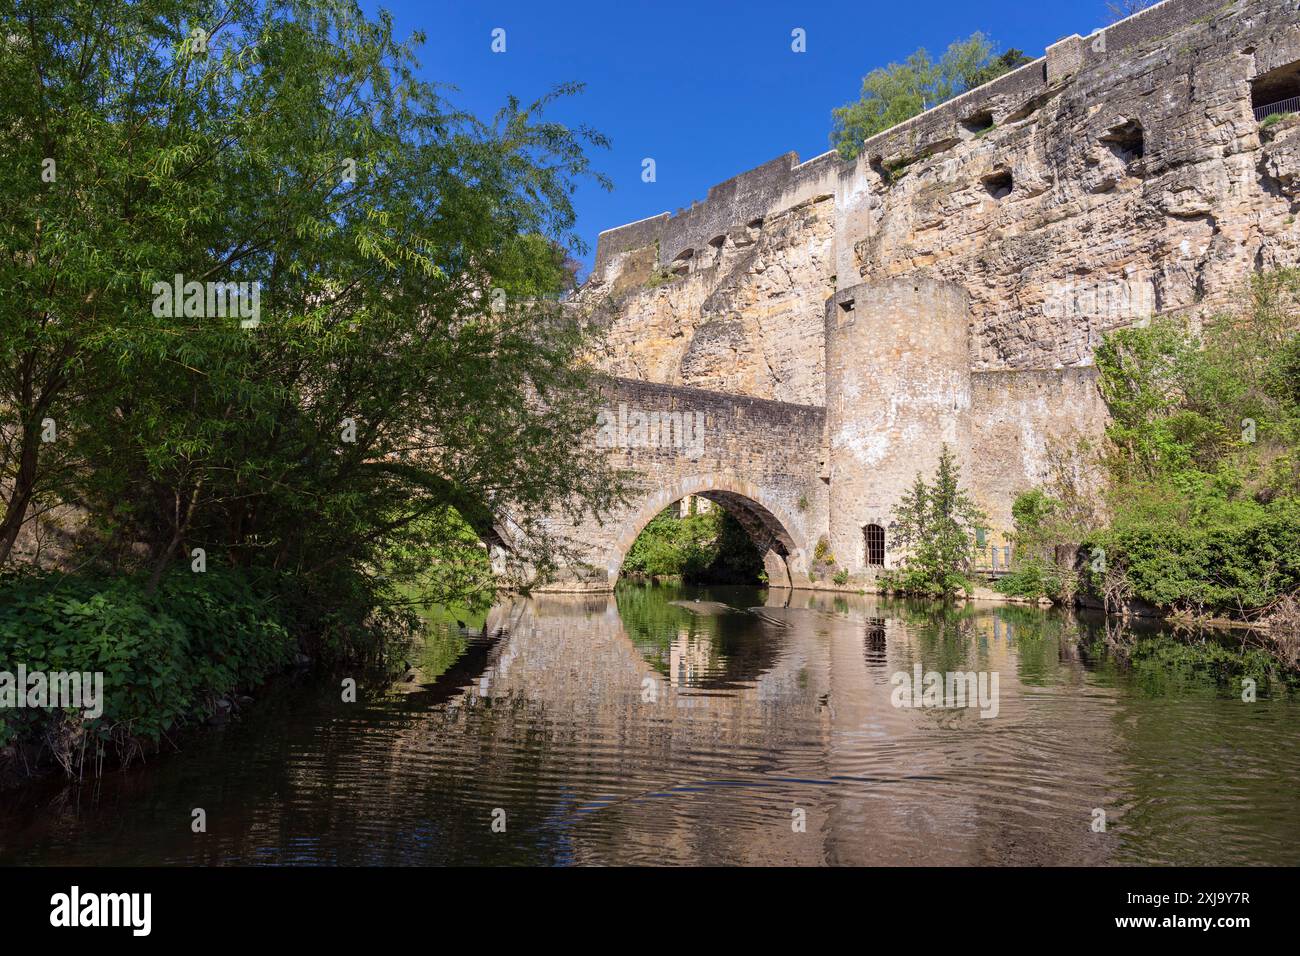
(629, 729)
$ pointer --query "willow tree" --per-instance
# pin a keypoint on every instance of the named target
(406, 365)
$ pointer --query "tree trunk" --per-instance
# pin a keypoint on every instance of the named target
(24, 486)
(181, 525)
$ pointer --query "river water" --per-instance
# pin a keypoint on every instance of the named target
(670, 725)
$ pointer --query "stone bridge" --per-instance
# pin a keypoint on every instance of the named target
(838, 323)
(760, 460)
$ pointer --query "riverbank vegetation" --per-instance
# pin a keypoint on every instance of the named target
(1197, 515)
(168, 656)
(934, 526)
(702, 547)
(387, 382)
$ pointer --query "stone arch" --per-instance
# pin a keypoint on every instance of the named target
(777, 535)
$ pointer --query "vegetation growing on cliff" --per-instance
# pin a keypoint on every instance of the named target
(900, 91)
(1201, 511)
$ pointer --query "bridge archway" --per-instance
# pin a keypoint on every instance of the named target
(773, 530)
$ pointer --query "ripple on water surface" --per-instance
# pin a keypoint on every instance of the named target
(728, 726)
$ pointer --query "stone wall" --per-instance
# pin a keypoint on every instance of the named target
(1125, 168)
(1023, 423)
(760, 460)
(1136, 172)
(741, 311)
(897, 390)
(987, 246)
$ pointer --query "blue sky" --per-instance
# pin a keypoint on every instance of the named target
(708, 89)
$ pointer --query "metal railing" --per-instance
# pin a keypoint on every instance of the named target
(1281, 107)
(992, 559)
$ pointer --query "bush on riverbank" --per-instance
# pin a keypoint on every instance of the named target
(1200, 513)
(166, 657)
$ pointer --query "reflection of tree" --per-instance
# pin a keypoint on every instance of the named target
(713, 648)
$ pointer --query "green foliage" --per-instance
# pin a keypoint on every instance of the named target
(936, 525)
(1041, 522)
(1032, 511)
(1034, 578)
(440, 560)
(1199, 552)
(165, 656)
(902, 90)
(415, 300)
(707, 547)
(1204, 469)
(841, 577)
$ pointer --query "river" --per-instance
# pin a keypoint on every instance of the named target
(664, 725)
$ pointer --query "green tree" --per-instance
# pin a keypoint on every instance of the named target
(709, 547)
(1201, 505)
(412, 366)
(900, 91)
(935, 524)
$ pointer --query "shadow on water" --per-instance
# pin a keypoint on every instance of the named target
(684, 725)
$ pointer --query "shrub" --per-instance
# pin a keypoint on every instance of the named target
(165, 657)
(1033, 578)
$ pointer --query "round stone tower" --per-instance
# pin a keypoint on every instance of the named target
(898, 388)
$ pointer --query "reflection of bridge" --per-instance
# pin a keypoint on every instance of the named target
(760, 460)
(633, 758)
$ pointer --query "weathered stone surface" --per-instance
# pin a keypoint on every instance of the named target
(985, 247)
(760, 460)
(734, 315)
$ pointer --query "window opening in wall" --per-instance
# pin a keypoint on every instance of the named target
(978, 123)
(1126, 142)
(875, 538)
(1276, 92)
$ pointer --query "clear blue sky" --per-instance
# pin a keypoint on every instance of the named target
(708, 89)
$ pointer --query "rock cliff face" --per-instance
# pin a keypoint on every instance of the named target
(1130, 173)
(1124, 174)
(742, 314)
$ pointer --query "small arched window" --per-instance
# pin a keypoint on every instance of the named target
(875, 537)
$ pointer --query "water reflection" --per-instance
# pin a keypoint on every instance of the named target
(664, 725)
